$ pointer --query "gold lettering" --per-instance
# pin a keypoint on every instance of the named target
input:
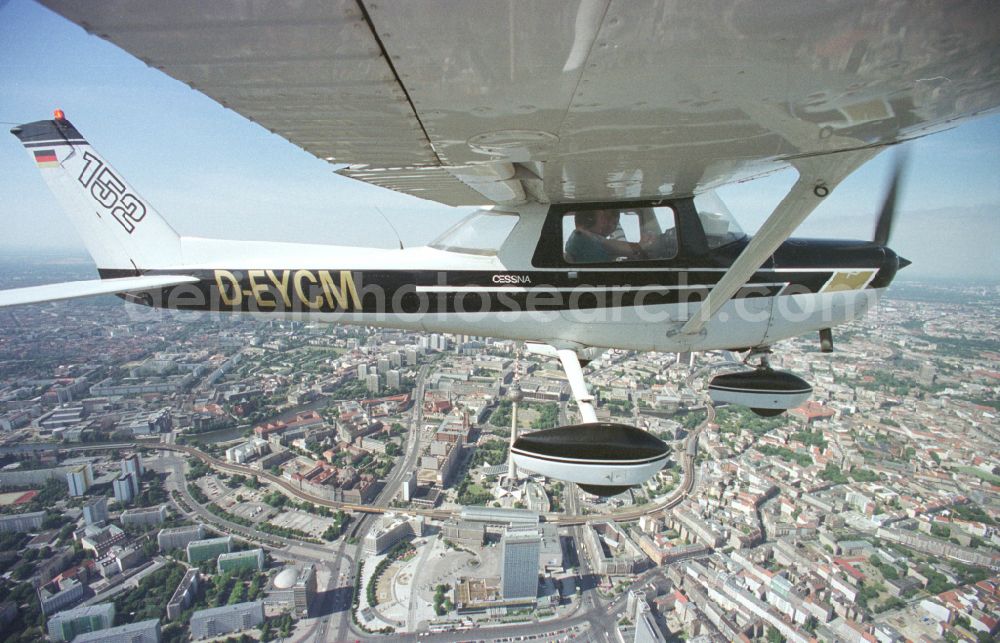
(256, 289)
(340, 294)
(303, 275)
(281, 285)
(347, 277)
(234, 283)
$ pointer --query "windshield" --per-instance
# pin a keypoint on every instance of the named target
(719, 225)
(480, 233)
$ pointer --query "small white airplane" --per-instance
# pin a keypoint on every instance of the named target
(594, 133)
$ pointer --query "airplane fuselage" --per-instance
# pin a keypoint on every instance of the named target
(806, 286)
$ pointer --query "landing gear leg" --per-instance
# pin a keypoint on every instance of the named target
(762, 353)
(574, 373)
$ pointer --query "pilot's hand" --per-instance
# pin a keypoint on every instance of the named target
(638, 251)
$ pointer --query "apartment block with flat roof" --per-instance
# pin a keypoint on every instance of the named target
(184, 595)
(67, 624)
(22, 522)
(179, 537)
(144, 516)
(226, 619)
(141, 632)
(239, 560)
(208, 549)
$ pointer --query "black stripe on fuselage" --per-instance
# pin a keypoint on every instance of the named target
(408, 292)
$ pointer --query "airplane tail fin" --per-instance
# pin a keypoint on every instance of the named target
(121, 230)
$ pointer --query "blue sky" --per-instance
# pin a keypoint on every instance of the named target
(212, 173)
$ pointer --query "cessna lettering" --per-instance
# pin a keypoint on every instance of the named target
(270, 289)
(511, 279)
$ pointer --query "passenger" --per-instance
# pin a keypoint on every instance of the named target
(654, 242)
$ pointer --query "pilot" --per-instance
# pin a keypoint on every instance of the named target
(593, 240)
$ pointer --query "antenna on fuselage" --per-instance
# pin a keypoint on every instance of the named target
(396, 232)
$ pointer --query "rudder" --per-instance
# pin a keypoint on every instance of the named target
(120, 229)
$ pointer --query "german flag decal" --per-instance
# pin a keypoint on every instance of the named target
(46, 158)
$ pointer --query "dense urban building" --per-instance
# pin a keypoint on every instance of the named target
(239, 560)
(142, 632)
(226, 619)
(208, 549)
(125, 488)
(96, 511)
(519, 554)
(79, 479)
(304, 590)
(65, 594)
(179, 537)
(67, 624)
(389, 531)
(295, 587)
(133, 465)
(184, 595)
(145, 516)
(31, 521)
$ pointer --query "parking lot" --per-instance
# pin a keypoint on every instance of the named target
(253, 511)
(212, 488)
(294, 519)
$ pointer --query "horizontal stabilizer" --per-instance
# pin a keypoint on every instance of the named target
(89, 288)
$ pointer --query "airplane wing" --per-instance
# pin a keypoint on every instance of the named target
(89, 288)
(482, 101)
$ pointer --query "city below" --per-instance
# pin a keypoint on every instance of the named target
(169, 476)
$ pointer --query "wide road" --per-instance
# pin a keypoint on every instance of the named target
(405, 465)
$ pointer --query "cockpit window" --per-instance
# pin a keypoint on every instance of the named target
(719, 225)
(619, 235)
(480, 233)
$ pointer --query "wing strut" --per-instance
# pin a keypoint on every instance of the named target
(818, 175)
